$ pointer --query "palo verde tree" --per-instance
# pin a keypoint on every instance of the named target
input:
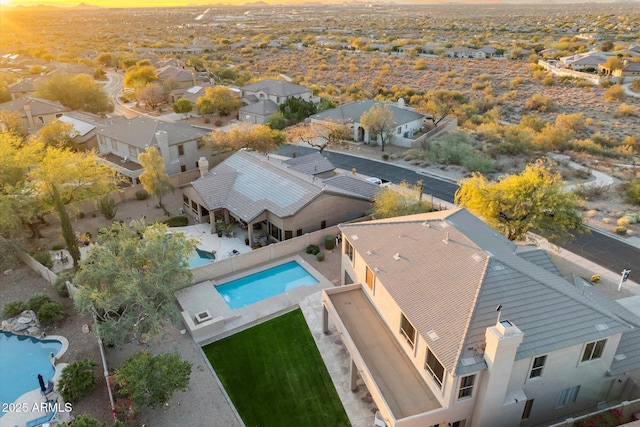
(139, 76)
(128, 281)
(320, 134)
(57, 133)
(406, 199)
(80, 92)
(258, 138)
(182, 106)
(154, 179)
(535, 199)
(378, 121)
(218, 99)
(440, 104)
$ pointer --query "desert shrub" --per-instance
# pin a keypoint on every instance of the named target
(177, 221)
(620, 230)
(320, 256)
(142, 194)
(626, 110)
(218, 123)
(313, 249)
(86, 420)
(591, 192)
(548, 81)
(515, 82)
(623, 222)
(60, 285)
(38, 300)
(614, 93)
(44, 258)
(595, 278)
(107, 207)
(50, 313)
(635, 85)
(385, 157)
(58, 246)
(329, 242)
(606, 83)
(572, 122)
(14, 308)
(452, 149)
(479, 163)
(540, 102)
(77, 380)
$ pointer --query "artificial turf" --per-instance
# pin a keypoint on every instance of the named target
(275, 375)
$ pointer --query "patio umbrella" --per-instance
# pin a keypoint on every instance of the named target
(43, 388)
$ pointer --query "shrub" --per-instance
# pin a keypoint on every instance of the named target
(58, 246)
(14, 308)
(107, 207)
(626, 110)
(86, 420)
(614, 93)
(218, 122)
(37, 300)
(595, 278)
(44, 258)
(177, 221)
(142, 194)
(540, 102)
(548, 81)
(329, 242)
(77, 380)
(50, 313)
(385, 157)
(60, 285)
(620, 230)
(632, 191)
(313, 249)
(479, 163)
(611, 418)
(320, 256)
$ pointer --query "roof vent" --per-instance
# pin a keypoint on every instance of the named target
(468, 361)
(602, 326)
(426, 224)
(498, 267)
(619, 357)
(446, 239)
(376, 269)
(354, 237)
(476, 257)
(369, 252)
(396, 256)
(432, 334)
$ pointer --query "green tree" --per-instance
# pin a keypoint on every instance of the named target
(297, 109)
(137, 77)
(128, 281)
(151, 380)
(260, 138)
(182, 106)
(57, 133)
(77, 380)
(440, 104)
(78, 92)
(218, 99)
(535, 199)
(405, 200)
(378, 121)
(154, 179)
(68, 234)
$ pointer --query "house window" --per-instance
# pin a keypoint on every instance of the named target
(466, 386)
(288, 234)
(568, 396)
(132, 151)
(183, 168)
(323, 224)
(460, 423)
(527, 409)
(407, 330)
(399, 130)
(593, 350)
(181, 150)
(434, 368)
(185, 199)
(194, 206)
(114, 144)
(369, 278)
(299, 232)
(348, 249)
(537, 367)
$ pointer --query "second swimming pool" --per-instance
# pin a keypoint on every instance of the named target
(265, 284)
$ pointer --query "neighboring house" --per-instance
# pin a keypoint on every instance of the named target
(85, 126)
(631, 70)
(314, 164)
(450, 324)
(407, 122)
(460, 52)
(183, 77)
(271, 199)
(21, 88)
(179, 143)
(34, 112)
(264, 98)
(582, 61)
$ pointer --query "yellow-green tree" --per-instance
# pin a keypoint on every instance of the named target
(378, 121)
(155, 179)
(138, 77)
(258, 138)
(218, 99)
(405, 200)
(78, 92)
(535, 199)
(57, 133)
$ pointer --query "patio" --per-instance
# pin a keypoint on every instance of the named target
(223, 247)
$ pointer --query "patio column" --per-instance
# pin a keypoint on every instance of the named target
(354, 375)
(325, 320)
(250, 233)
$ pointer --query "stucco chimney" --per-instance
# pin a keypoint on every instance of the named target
(193, 78)
(203, 165)
(400, 102)
(27, 111)
(162, 139)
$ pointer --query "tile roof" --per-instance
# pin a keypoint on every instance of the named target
(310, 164)
(276, 88)
(354, 110)
(261, 108)
(141, 131)
(451, 273)
(39, 106)
(247, 184)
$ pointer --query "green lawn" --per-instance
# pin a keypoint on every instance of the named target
(275, 376)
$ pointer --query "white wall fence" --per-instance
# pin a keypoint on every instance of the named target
(447, 125)
(595, 79)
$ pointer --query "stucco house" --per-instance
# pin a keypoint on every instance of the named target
(407, 121)
(34, 112)
(21, 88)
(273, 200)
(85, 126)
(264, 98)
(179, 143)
(584, 61)
(451, 324)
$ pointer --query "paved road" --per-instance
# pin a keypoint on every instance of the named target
(113, 87)
(599, 248)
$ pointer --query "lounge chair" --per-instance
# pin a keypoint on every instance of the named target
(48, 390)
(47, 419)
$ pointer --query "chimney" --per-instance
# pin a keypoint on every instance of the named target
(400, 102)
(203, 165)
(162, 139)
(193, 78)
(30, 123)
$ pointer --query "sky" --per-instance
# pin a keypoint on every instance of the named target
(112, 3)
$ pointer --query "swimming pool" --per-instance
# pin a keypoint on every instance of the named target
(200, 257)
(22, 358)
(265, 284)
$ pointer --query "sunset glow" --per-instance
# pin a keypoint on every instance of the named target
(116, 3)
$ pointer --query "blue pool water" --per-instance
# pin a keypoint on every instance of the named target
(265, 284)
(199, 258)
(21, 360)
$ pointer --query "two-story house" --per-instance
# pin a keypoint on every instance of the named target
(179, 144)
(262, 99)
(450, 324)
(34, 112)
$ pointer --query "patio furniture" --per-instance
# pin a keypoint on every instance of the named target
(48, 390)
(47, 419)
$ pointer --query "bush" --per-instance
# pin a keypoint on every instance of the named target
(38, 300)
(142, 194)
(58, 246)
(620, 230)
(632, 191)
(14, 308)
(320, 256)
(611, 418)
(540, 103)
(385, 157)
(614, 93)
(626, 110)
(313, 249)
(177, 221)
(77, 380)
(44, 258)
(50, 313)
(86, 420)
(595, 278)
(329, 242)
(107, 207)
(479, 163)
(218, 123)
(60, 285)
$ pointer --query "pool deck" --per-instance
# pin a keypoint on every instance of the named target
(223, 246)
